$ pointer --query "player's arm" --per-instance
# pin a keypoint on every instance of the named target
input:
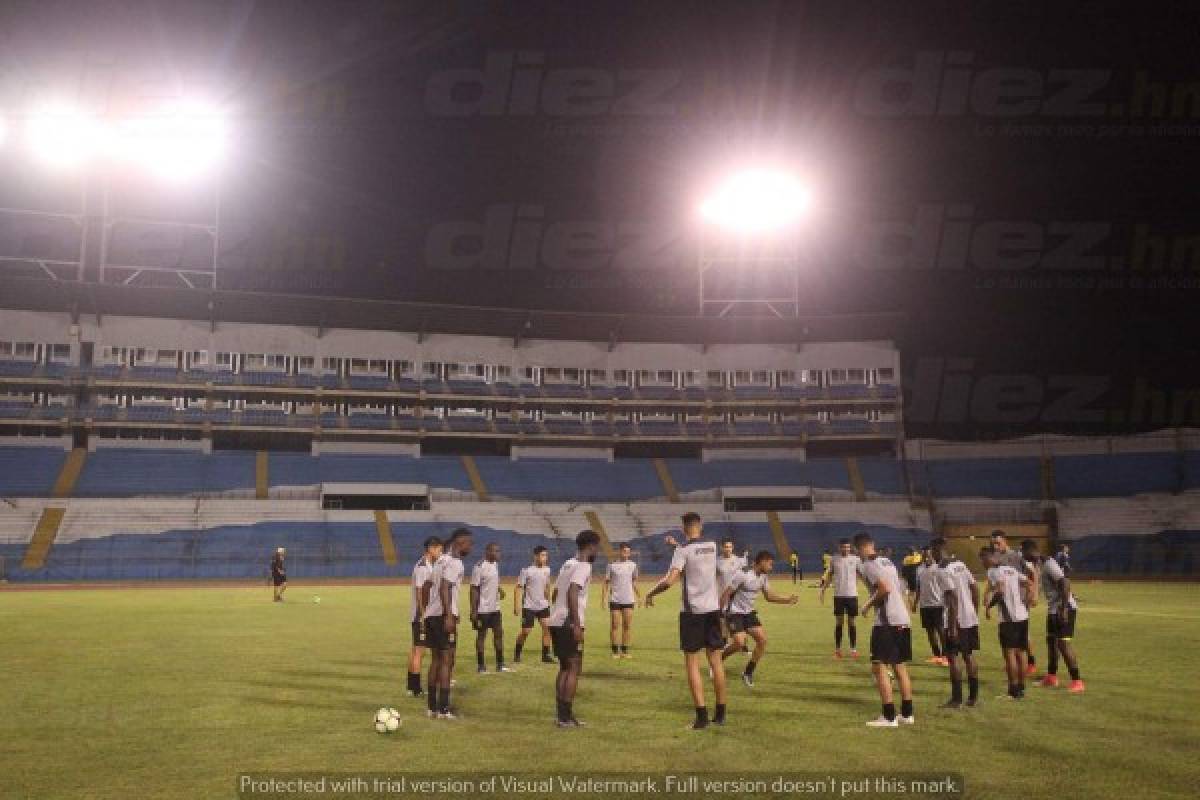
(726, 598)
(518, 599)
(1033, 585)
(668, 580)
(912, 605)
(451, 623)
(606, 589)
(878, 596)
(475, 594)
(786, 599)
(950, 601)
(633, 579)
(1064, 588)
(422, 597)
(573, 610)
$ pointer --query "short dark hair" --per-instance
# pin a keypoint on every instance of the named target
(937, 541)
(625, 546)
(459, 533)
(586, 538)
(537, 551)
(843, 541)
(1028, 544)
(432, 541)
(763, 555)
(727, 540)
(862, 538)
(998, 534)
(689, 518)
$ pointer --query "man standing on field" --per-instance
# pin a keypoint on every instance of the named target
(567, 624)
(891, 635)
(843, 576)
(420, 574)
(279, 574)
(960, 595)
(486, 595)
(532, 602)
(700, 621)
(1007, 588)
(440, 599)
(620, 588)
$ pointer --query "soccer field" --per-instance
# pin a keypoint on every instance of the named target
(172, 692)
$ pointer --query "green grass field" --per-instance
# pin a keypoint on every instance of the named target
(170, 693)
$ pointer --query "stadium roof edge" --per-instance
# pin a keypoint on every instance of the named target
(369, 314)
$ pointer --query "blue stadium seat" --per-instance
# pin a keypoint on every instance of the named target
(120, 472)
(1117, 475)
(29, 471)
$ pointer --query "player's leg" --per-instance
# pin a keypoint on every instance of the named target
(906, 693)
(282, 589)
(736, 645)
(546, 657)
(837, 634)
(521, 637)
(480, 643)
(614, 631)
(883, 683)
(626, 630)
(1050, 679)
(934, 642)
(851, 629)
(972, 665)
(719, 686)
(498, 641)
(956, 675)
(760, 648)
(435, 678)
(691, 664)
(447, 676)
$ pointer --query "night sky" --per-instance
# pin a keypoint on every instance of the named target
(1019, 179)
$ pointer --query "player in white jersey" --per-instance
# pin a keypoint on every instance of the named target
(420, 574)
(440, 599)
(1007, 556)
(891, 635)
(531, 602)
(738, 603)
(567, 623)
(700, 621)
(622, 594)
(728, 565)
(960, 595)
(486, 594)
(1008, 588)
(928, 595)
(843, 576)
(1060, 622)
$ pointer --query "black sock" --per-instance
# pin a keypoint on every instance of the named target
(479, 658)
(433, 698)
(937, 650)
(1012, 690)
(973, 687)
(837, 637)
(889, 711)
(750, 665)
(545, 650)
(720, 715)
(1032, 661)
(444, 700)
(1051, 656)
(1074, 672)
(414, 681)
(563, 716)
(614, 649)
(517, 651)
(853, 637)
(955, 691)
(701, 715)
(906, 709)
(499, 660)
(624, 648)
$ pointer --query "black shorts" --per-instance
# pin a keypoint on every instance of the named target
(279, 580)
(932, 617)
(491, 620)
(910, 577)
(1061, 630)
(1014, 635)
(619, 606)
(845, 605)
(436, 636)
(528, 616)
(562, 639)
(418, 635)
(700, 632)
(965, 643)
(740, 623)
(890, 644)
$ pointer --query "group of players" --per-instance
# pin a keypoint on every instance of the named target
(718, 614)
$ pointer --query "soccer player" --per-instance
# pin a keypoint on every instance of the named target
(738, 602)
(1063, 557)
(420, 574)
(279, 574)
(622, 594)
(1006, 556)
(843, 575)
(960, 595)
(533, 598)
(891, 635)
(908, 570)
(794, 561)
(567, 623)
(929, 596)
(1060, 624)
(1007, 588)
(440, 599)
(486, 595)
(700, 621)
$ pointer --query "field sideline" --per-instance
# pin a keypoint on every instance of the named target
(149, 693)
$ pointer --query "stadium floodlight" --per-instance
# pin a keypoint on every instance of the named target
(64, 136)
(756, 201)
(179, 141)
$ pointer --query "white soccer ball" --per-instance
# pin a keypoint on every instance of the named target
(387, 720)
(316, 599)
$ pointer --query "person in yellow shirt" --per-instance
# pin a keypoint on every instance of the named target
(794, 560)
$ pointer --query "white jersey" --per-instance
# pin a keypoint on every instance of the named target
(844, 574)
(1006, 582)
(447, 569)
(573, 572)
(746, 588)
(954, 576)
(726, 569)
(892, 610)
(697, 562)
(929, 590)
(420, 574)
(621, 576)
(1051, 573)
(486, 576)
(534, 581)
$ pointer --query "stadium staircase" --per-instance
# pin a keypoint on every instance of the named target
(477, 484)
(51, 519)
(383, 529)
(783, 550)
(664, 477)
(856, 479)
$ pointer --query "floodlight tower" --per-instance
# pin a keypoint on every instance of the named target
(748, 254)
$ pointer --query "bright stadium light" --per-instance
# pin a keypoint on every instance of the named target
(179, 141)
(756, 201)
(63, 136)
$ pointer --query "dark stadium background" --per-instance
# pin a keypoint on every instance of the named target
(346, 157)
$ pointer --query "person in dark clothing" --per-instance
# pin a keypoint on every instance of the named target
(279, 574)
